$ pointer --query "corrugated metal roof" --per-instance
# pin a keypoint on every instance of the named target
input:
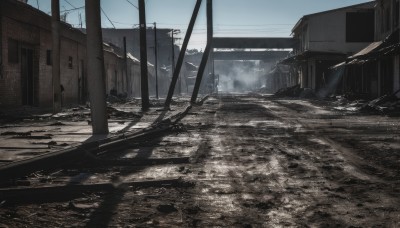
(370, 48)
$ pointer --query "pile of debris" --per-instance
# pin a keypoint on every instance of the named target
(387, 104)
(293, 91)
(296, 91)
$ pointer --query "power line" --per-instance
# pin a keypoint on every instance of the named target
(78, 8)
(132, 4)
(107, 17)
(69, 3)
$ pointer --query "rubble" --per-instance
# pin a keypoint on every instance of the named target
(296, 91)
(293, 91)
(385, 104)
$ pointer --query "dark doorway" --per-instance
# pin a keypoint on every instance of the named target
(27, 76)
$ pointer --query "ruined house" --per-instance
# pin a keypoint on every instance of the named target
(26, 61)
(327, 38)
(374, 71)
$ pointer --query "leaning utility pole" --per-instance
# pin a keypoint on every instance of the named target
(96, 71)
(55, 29)
(156, 57)
(182, 54)
(206, 53)
(143, 56)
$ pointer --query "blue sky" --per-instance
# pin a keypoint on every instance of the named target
(266, 18)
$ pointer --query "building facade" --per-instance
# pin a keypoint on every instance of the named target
(26, 61)
(327, 38)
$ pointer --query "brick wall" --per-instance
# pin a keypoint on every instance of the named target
(32, 29)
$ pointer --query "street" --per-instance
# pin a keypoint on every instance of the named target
(255, 161)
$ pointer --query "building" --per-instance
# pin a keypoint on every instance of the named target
(374, 71)
(26, 61)
(327, 38)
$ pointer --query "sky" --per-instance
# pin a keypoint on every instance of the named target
(232, 18)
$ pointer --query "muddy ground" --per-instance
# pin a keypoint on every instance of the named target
(256, 161)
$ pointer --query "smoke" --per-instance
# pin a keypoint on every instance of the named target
(239, 76)
(333, 81)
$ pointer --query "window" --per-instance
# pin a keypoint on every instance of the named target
(13, 51)
(360, 26)
(49, 58)
(70, 60)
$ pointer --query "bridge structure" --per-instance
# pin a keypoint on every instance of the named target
(225, 43)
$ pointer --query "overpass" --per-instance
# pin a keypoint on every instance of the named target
(249, 55)
(255, 42)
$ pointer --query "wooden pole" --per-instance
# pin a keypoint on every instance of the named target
(206, 53)
(143, 56)
(96, 71)
(56, 71)
(179, 63)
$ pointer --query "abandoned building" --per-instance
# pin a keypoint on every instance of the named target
(327, 38)
(26, 61)
(374, 71)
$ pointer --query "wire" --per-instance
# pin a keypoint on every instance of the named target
(78, 8)
(69, 3)
(132, 4)
(107, 17)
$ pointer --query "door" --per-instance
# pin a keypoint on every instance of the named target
(27, 77)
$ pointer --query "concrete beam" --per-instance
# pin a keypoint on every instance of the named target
(250, 55)
(252, 42)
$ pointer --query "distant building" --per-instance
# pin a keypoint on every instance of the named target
(327, 38)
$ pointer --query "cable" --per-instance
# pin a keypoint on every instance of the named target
(78, 8)
(69, 3)
(107, 17)
(132, 4)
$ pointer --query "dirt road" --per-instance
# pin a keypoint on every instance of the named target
(256, 161)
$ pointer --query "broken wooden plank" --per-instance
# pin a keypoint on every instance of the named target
(68, 192)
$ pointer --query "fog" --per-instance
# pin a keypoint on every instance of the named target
(239, 76)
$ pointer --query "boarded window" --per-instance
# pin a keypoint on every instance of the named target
(70, 62)
(13, 51)
(49, 57)
(360, 26)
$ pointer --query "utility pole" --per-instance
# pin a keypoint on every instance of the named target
(173, 60)
(143, 56)
(128, 83)
(55, 24)
(156, 57)
(206, 53)
(96, 71)
(182, 54)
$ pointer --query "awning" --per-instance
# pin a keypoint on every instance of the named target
(370, 48)
(338, 65)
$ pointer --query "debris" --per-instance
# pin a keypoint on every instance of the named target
(383, 104)
(16, 133)
(58, 123)
(167, 208)
(293, 91)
